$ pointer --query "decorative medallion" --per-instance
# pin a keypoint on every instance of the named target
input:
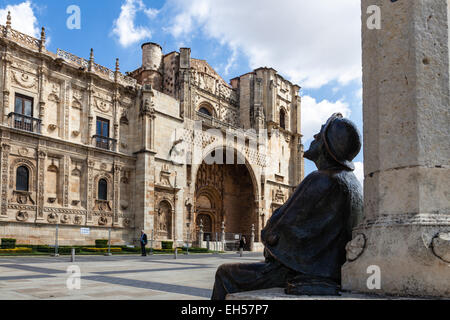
(23, 151)
(355, 247)
(102, 105)
(102, 221)
(65, 218)
(52, 218)
(22, 216)
(24, 80)
(78, 219)
(441, 246)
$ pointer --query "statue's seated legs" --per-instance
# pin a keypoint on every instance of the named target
(312, 286)
(238, 277)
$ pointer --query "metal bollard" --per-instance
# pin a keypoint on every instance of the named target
(241, 251)
(175, 253)
(109, 243)
(151, 244)
(72, 257)
(56, 242)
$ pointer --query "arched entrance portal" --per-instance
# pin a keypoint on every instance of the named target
(225, 192)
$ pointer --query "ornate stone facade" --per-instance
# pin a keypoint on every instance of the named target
(97, 149)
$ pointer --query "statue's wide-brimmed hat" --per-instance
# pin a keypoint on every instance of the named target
(342, 140)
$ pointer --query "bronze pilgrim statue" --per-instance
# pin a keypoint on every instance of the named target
(305, 239)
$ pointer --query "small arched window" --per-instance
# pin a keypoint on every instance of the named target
(282, 119)
(102, 189)
(22, 178)
(205, 111)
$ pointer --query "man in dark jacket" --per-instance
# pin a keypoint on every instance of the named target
(143, 243)
(305, 238)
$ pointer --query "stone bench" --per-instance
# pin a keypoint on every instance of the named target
(278, 294)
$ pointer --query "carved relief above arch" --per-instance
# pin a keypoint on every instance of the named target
(206, 108)
(25, 80)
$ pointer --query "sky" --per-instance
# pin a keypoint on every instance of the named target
(315, 44)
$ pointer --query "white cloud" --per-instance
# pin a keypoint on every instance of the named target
(124, 26)
(22, 18)
(359, 94)
(310, 42)
(359, 171)
(315, 114)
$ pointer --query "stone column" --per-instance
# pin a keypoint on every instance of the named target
(222, 236)
(91, 114)
(200, 235)
(116, 193)
(66, 174)
(90, 189)
(252, 238)
(41, 158)
(405, 231)
(6, 87)
(6, 149)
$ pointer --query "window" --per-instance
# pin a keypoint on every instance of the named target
(23, 109)
(22, 179)
(24, 105)
(102, 190)
(282, 119)
(103, 127)
(102, 138)
(205, 111)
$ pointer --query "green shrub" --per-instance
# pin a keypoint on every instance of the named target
(166, 244)
(67, 250)
(8, 243)
(197, 250)
(101, 243)
(102, 250)
(179, 250)
(61, 249)
(44, 248)
(128, 249)
(16, 250)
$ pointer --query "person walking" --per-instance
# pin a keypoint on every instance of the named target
(242, 243)
(143, 243)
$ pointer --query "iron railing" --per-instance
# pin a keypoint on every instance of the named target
(105, 142)
(24, 122)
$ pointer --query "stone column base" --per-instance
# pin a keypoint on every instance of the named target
(412, 253)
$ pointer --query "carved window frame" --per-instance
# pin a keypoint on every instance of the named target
(283, 118)
(31, 171)
(26, 186)
(208, 107)
(109, 190)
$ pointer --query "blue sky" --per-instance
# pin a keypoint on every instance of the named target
(315, 44)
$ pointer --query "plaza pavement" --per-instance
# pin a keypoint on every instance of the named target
(155, 277)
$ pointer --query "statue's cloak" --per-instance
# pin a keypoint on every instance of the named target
(308, 234)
